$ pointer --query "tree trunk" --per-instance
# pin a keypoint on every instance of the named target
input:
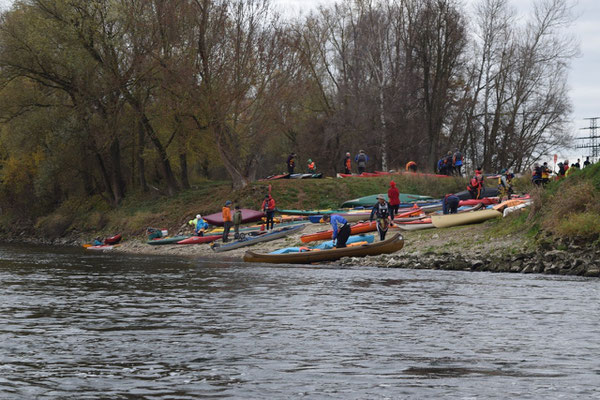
(116, 175)
(185, 183)
(139, 159)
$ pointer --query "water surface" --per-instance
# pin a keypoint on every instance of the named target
(86, 325)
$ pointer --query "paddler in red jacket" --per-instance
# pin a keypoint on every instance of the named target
(268, 207)
(227, 220)
(394, 199)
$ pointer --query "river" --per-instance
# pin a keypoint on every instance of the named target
(77, 325)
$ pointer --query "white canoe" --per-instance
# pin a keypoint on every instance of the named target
(473, 217)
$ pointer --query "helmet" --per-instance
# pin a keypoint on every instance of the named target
(228, 203)
(199, 216)
(503, 171)
(309, 160)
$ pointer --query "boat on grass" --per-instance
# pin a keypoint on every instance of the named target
(388, 246)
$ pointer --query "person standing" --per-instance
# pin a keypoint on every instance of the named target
(457, 162)
(340, 227)
(361, 160)
(381, 210)
(505, 184)
(268, 207)
(586, 162)
(227, 220)
(545, 174)
(312, 168)
(347, 164)
(577, 164)
(394, 199)
(237, 221)
(291, 163)
(450, 204)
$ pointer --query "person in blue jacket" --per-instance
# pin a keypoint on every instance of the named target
(341, 229)
(201, 226)
(450, 204)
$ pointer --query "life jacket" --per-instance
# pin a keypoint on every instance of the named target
(382, 210)
(348, 163)
(311, 166)
(457, 159)
(226, 213)
(545, 173)
(268, 204)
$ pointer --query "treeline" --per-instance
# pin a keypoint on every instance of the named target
(107, 97)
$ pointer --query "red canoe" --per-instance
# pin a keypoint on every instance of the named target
(473, 202)
(247, 216)
(200, 239)
(325, 235)
(113, 239)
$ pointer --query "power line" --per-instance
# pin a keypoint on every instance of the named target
(592, 140)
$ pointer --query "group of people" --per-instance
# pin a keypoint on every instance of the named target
(541, 174)
(383, 212)
(450, 164)
(361, 160)
(311, 167)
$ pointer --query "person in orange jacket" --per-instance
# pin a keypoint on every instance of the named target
(268, 207)
(227, 220)
(348, 164)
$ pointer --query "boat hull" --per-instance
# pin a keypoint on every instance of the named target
(472, 217)
(389, 246)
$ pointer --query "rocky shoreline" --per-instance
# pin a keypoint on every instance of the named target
(467, 248)
(578, 261)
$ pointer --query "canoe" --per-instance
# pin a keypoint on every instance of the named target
(167, 240)
(416, 225)
(391, 245)
(356, 216)
(326, 245)
(371, 200)
(448, 220)
(506, 204)
(200, 239)
(274, 177)
(102, 247)
(472, 202)
(513, 209)
(247, 216)
(354, 230)
(113, 239)
(491, 191)
(310, 212)
(261, 237)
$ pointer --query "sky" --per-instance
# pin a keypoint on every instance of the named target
(584, 78)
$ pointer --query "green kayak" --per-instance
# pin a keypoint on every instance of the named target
(368, 201)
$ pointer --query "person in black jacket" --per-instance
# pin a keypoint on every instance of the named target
(381, 210)
(291, 163)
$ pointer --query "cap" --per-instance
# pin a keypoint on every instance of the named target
(228, 203)
(198, 216)
(380, 197)
(348, 154)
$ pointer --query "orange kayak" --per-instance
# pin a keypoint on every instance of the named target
(326, 235)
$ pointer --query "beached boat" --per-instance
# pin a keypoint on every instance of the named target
(472, 217)
(259, 238)
(369, 201)
(415, 225)
(354, 230)
(247, 216)
(391, 245)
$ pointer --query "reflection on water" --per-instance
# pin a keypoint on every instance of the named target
(77, 325)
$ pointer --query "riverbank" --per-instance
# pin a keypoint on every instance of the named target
(467, 248)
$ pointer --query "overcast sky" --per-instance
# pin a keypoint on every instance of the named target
(584, 77)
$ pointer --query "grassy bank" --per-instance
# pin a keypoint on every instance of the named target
(90, 217)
